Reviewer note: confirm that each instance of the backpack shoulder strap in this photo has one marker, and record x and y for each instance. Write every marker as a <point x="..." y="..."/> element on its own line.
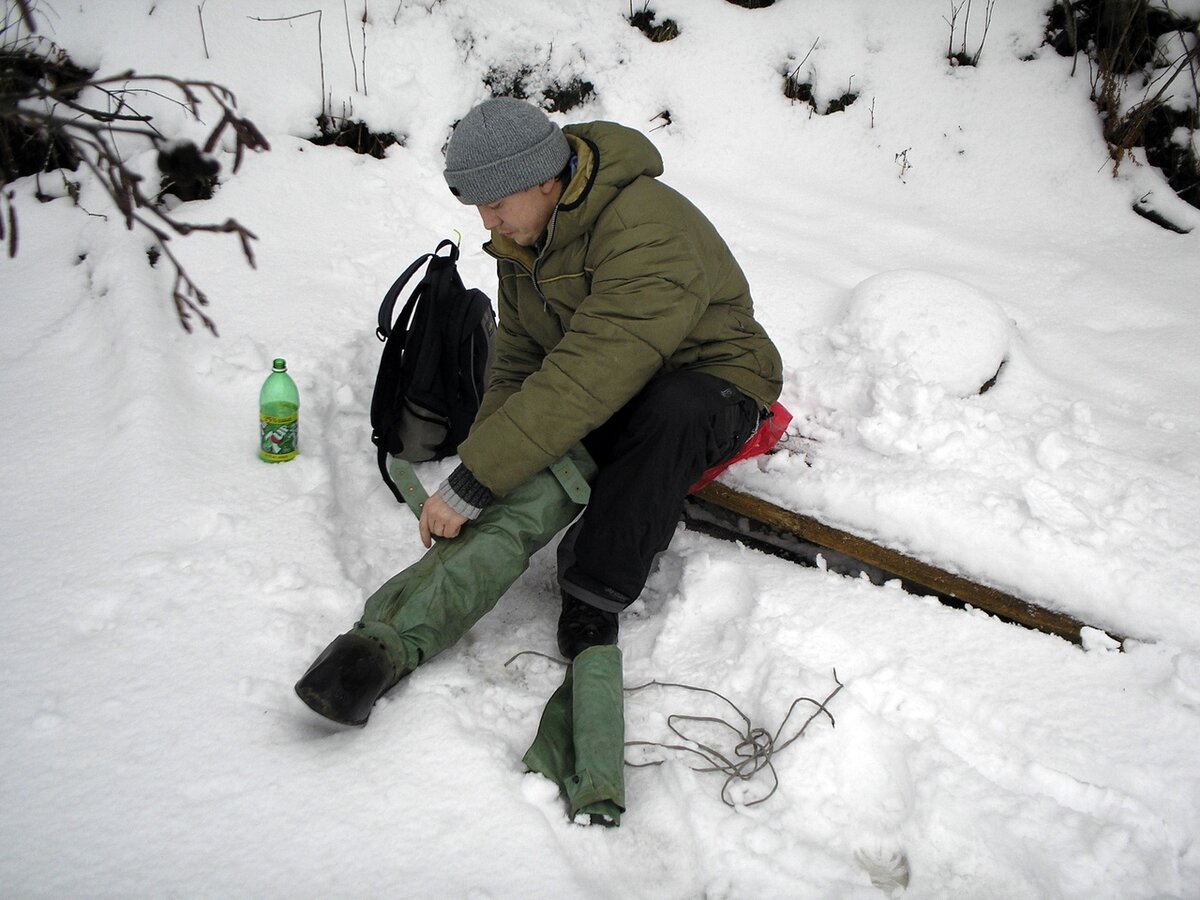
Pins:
<point x="388" y="307"/>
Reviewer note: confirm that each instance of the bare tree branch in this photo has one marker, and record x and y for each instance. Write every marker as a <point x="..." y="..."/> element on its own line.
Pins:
<point x="49" y="108"/>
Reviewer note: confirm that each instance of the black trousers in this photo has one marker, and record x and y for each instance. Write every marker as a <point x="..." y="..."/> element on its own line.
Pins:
<point x="648" y="454"/>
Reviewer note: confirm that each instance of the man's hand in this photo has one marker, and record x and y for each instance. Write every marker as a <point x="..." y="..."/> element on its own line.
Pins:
<point x="439" y="520"/>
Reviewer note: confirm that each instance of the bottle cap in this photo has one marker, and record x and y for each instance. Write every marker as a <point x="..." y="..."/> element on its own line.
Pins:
<point x="280" y="365"/>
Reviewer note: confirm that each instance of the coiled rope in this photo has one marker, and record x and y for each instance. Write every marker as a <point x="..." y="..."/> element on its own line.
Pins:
<point x="754" y="750"/>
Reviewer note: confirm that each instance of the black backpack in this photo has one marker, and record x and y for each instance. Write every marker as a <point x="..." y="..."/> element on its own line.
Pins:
<point x="435" y="363"/>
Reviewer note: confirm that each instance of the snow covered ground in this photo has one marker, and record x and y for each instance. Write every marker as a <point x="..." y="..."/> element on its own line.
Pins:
<point x="163" y="589"/>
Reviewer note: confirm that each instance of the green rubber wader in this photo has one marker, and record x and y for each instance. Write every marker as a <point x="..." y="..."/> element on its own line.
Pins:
<point x="429" y="606"/>
<point x="580" y="744"/>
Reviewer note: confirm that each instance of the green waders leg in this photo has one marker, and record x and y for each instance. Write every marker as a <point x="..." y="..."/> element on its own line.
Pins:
<point x="430" y="605"/>
<point x="580" y="744"/>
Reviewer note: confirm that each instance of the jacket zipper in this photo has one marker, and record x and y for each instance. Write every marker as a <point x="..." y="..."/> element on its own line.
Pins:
<point x="537" y="261"/>
<point x="491" y="250"/>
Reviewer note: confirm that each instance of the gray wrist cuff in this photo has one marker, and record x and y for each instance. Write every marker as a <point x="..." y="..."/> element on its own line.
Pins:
<point x="464" y="494"/>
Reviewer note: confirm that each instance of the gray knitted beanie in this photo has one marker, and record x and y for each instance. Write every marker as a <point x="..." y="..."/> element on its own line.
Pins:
<point x="501" y="147"/>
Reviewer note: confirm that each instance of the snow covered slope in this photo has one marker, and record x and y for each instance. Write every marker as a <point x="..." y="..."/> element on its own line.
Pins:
<point x="163" y="589"/>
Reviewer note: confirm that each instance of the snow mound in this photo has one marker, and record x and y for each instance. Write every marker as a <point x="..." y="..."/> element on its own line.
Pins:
<point x="932" y="328"/>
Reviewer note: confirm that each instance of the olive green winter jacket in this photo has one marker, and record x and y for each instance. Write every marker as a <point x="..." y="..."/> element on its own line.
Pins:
<point x="632" y="280"/>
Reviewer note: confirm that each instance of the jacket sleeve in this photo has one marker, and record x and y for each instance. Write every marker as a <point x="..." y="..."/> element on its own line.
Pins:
<point x="647" y="293"/>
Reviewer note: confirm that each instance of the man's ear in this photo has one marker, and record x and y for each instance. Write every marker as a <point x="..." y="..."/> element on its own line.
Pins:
<point x="549" y="186"/>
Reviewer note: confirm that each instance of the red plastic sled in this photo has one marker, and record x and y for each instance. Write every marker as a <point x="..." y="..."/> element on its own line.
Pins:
<point x="765" y="438"/>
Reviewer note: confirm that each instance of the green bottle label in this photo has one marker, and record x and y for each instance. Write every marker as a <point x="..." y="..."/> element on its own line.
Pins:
<point x="278" y="432"/>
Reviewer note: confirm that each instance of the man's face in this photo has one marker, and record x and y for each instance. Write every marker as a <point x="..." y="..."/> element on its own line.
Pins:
<point x="523" y="216"/>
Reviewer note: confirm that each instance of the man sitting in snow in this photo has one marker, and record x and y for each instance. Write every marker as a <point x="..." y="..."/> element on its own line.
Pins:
<point x="627" y="327"/>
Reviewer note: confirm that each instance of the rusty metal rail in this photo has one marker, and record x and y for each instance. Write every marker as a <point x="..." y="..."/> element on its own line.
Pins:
<point x="724" y="512"/>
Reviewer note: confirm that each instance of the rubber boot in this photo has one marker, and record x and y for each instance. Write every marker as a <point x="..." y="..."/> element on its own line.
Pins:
<point x="346" y="679"/>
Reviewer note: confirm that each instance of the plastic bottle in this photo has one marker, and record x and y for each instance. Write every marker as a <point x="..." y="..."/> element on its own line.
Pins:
<point x="278" y="416"/>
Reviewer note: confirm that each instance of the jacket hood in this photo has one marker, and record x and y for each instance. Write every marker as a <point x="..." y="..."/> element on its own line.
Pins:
<point x="609" y="158"/>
